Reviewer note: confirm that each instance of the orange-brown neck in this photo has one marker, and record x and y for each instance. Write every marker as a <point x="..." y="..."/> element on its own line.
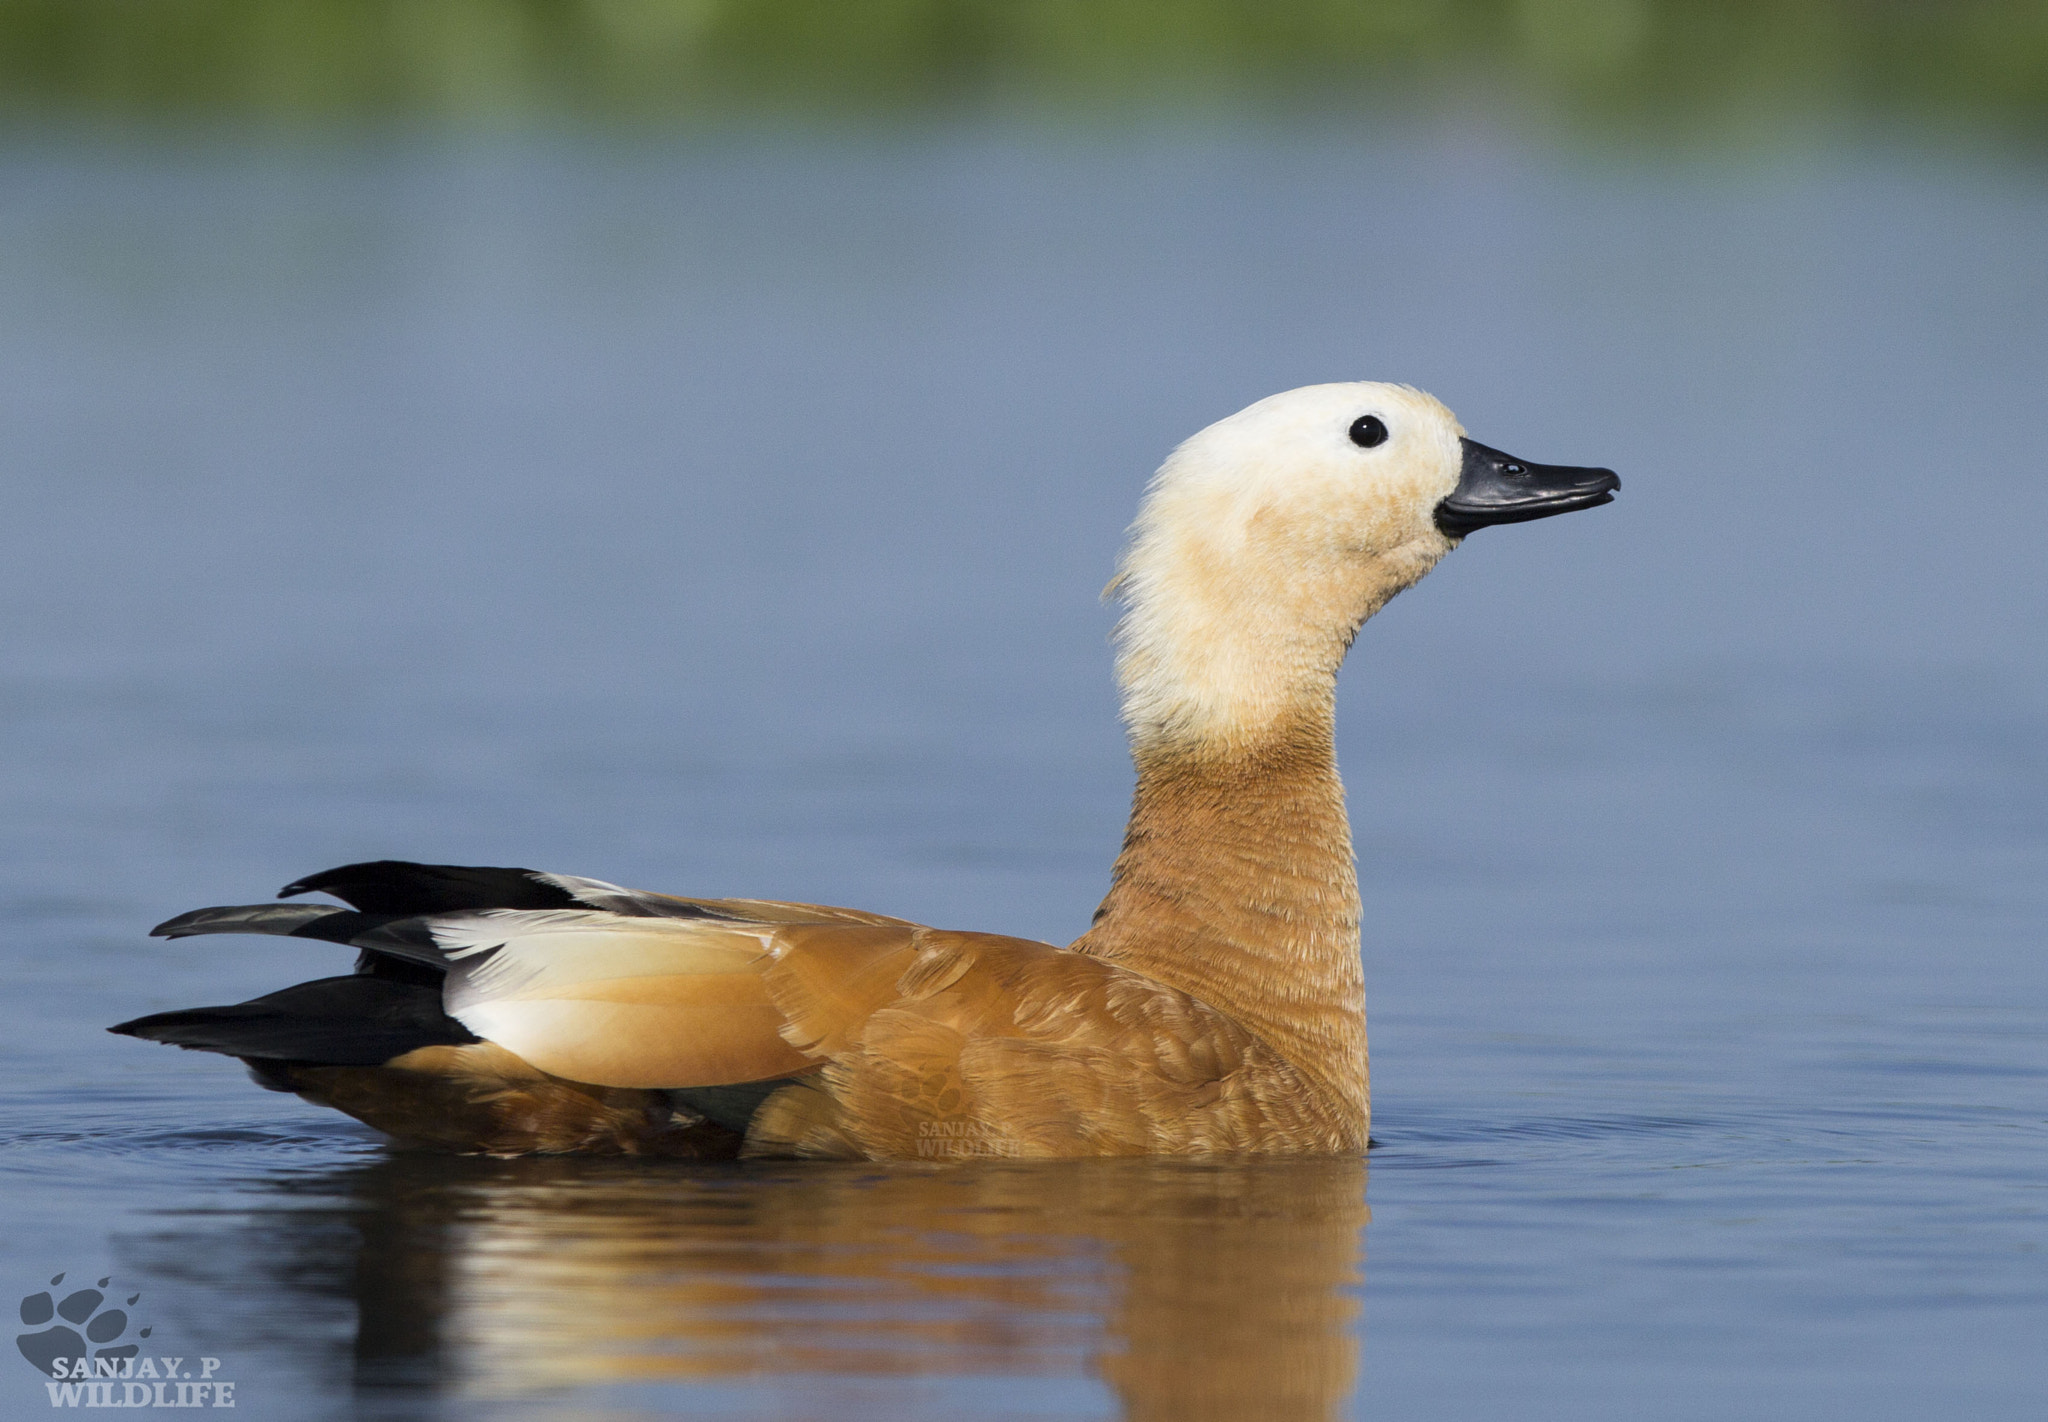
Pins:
<point x="1236" y="884"/>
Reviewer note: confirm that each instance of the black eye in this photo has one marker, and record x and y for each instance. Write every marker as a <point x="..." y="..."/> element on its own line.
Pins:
<point x="1368" y="430"/>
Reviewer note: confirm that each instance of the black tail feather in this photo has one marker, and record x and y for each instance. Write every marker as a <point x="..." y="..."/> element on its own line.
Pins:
<point x="352" y="1021"/>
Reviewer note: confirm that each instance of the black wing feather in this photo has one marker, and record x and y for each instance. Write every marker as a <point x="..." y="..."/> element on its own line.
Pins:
<point x="393" y="1002"/>
<point x="379" y="933"/>
<point x="407" y="890"/>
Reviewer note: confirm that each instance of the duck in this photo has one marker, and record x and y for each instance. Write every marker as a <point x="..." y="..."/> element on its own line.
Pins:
<point x="1214" y="1007"/>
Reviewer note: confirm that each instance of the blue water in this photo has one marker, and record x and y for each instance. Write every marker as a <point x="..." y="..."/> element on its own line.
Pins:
<point x="726" y="514"/>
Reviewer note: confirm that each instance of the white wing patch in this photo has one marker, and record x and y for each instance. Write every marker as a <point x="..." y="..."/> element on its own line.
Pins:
<point x="617" y="1000"/>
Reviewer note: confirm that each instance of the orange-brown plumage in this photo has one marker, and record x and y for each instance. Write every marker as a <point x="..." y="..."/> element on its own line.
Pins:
<point x="1003" y="1047"/>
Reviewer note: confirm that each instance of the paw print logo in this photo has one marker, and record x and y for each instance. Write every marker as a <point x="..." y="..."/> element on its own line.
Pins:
<point x="81" y="1307"/>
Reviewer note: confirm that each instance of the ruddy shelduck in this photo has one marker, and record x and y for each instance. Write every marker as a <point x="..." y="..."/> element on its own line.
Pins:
<point x="1216" y="1005"/>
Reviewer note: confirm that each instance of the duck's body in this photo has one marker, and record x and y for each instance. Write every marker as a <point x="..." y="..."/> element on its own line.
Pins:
<point x="1216" y="1005"/>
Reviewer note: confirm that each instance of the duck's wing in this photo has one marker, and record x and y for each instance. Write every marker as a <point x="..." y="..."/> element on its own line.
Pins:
<point x="584" y="980"/>
<point x="405" y="889"/>
<point x="664" y="1003"/>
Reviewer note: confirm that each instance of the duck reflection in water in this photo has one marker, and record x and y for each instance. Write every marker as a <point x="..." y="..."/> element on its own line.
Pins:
<point x="1194" y="1290"/>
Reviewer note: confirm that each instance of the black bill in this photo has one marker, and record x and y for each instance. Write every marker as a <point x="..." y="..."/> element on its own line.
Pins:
<point x="1498" y="488"/>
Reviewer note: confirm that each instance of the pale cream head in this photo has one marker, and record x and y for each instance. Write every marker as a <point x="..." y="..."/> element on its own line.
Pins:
<point x="1262" y="544"/>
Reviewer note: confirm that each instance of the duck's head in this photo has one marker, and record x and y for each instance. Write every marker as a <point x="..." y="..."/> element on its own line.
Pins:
<point x="1267" y="539"/>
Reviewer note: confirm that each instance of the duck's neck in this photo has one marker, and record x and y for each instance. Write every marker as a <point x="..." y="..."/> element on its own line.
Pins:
<point x="1236" y="882"/>
<point x="1236" y="885"/>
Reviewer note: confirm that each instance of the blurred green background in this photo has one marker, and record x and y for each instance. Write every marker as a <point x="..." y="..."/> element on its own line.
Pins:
<point x="1621" y="63"/>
